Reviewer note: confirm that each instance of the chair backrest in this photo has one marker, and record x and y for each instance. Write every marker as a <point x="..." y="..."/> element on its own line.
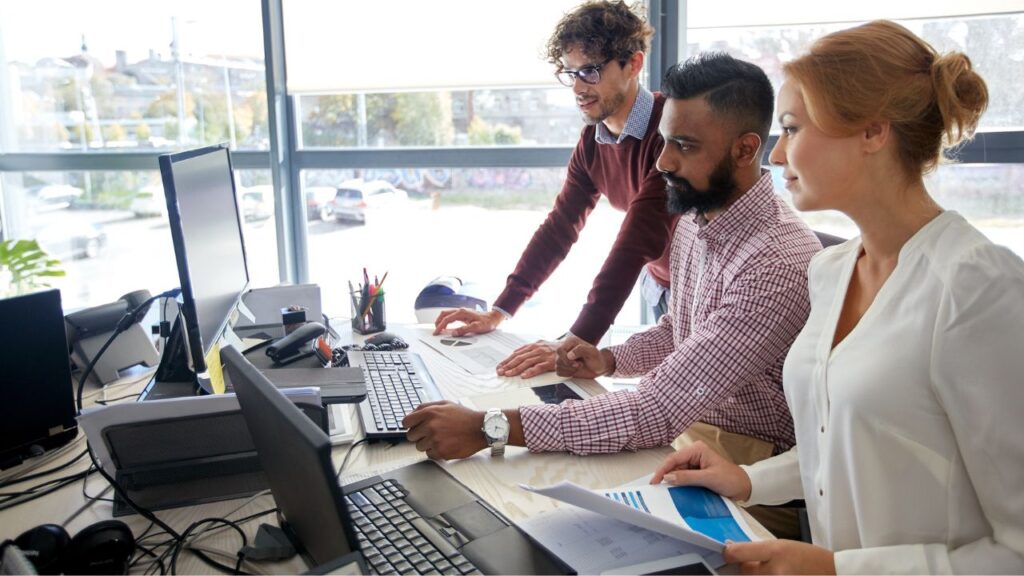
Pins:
<point x="828" y="239"/>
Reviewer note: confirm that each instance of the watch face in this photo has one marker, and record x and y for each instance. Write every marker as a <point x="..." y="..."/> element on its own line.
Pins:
<point x="496" y="427"/>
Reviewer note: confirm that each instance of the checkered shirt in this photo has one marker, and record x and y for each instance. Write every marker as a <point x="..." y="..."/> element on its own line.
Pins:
<point x="739" y="298"/>
<point x="636" y="123"/>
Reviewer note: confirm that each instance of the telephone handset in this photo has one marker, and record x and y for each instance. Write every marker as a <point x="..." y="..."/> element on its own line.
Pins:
<point x="292" y="347"/>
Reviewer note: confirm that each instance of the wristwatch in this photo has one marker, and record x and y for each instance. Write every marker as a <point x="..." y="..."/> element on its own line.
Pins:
<point x="495" y="430"/>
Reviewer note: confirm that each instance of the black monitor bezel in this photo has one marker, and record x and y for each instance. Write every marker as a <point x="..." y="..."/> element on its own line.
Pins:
<point x="197" y="348"/>
<point x="282" y="433"/>
<point x="47" y="315"/>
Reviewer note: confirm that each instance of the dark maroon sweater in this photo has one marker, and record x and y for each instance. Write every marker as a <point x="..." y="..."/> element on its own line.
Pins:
<point x="626" y="175"/>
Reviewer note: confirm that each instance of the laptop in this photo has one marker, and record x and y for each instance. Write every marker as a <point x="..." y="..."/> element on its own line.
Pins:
<point x="417" y="519"/>
<point x="38" y="408"/>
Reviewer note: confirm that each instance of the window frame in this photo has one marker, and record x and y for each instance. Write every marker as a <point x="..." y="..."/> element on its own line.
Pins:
<point x="286" y="159"/>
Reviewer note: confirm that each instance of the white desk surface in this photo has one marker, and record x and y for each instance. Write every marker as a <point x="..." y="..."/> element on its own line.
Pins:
<point x="494" y="479"/>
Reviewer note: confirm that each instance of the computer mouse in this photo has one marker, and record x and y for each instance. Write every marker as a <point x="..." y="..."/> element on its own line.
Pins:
<point x="380" y="338"/>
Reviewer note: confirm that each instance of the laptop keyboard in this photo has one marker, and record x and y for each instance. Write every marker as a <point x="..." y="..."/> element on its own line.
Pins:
<point x="395" y="539"/>
<point x="393" y="388"/>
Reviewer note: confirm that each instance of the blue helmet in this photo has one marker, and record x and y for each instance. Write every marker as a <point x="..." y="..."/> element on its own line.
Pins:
<point x="444" y="293"/>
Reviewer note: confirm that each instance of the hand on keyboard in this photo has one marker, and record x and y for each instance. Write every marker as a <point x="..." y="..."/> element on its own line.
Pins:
<point x="445" y="430"/>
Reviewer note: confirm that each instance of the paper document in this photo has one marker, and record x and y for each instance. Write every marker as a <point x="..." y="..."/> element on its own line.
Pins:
<point x="592" y="543"/>
<point x="95" y="420"/>
<point x="694" y="515"/>
<point x="478" y="354"/>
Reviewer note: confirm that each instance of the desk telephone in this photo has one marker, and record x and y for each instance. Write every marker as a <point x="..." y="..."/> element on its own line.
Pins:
<point x="293" y="346"/>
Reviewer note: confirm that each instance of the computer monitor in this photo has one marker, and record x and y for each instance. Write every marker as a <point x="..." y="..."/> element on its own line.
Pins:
<point x="207" y="231"/>
<point x="37" y="410"/>
<point x="296" y="457"/>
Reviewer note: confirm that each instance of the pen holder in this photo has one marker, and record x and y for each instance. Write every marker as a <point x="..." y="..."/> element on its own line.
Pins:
<point x="373" y="320"/>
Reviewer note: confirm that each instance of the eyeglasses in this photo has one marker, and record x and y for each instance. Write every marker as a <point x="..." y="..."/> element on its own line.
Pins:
<point x="587" y="74"/>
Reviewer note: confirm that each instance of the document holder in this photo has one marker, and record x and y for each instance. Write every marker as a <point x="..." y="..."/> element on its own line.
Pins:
<point x="188" y="460"/>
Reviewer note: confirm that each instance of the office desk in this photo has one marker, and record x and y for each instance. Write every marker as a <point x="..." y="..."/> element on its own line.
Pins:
<point x="494" y="479"/>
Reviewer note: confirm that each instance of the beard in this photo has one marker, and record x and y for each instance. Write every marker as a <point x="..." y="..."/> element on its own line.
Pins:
<point x="605" y="108"/>
<point x="683" y="197"/>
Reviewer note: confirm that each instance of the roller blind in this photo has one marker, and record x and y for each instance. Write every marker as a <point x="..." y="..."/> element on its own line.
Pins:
<point x="740" y="13"/>
<point x="350" y="46"/>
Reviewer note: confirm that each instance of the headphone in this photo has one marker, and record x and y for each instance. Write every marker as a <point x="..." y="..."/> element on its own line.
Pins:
<point x="101" y="548"/>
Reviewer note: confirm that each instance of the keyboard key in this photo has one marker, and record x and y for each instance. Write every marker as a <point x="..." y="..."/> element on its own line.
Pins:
<point x="423" y="567"/>
<point x="444" y="566"/>
<point x="435" y="556"/>
<point x="403" y="567"/>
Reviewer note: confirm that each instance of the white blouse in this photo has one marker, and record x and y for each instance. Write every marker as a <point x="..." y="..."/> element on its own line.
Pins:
<point x="910" y="433"/>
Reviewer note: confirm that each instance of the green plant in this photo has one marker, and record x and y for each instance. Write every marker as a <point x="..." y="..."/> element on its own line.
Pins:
<point x="25" y="267"/>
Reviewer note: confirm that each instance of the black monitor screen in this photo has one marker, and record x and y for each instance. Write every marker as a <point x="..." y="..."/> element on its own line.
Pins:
<point x="35" y="374"/>
<point x="207" y="233"/>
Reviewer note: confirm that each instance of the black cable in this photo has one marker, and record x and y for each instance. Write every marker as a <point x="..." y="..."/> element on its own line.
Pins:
<point x="344" y="460"/>
<point x="183" y="540"/>
<point x="85" y="481"/>
<point x="63" y="479"/>
<point x="130" y="318"/>
<point x="149" y="552"/>
<point x="145" y="513"/>
<point x="223" y="567"/>
<point x="40" y="474"/>
<point x="30" y="496"/>
<point x="108" y="400"/>
<point x="92" y="364"/>
<point x="255" y="516"/>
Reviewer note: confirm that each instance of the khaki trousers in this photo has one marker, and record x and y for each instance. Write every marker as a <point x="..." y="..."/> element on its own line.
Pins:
<point x="741" y="449"/>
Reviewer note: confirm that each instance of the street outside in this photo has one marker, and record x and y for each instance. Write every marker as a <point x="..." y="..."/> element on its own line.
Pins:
<point x="410" y="242"/>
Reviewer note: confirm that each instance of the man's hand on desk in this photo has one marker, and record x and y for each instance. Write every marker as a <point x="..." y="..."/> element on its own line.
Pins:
<point x="472" y="322"/>
<point x="447" y="431"/>
<point x="579" y="359"/>
<point x="530" y="360"/>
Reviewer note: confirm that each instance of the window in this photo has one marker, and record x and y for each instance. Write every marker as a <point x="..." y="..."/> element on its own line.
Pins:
<point x="111" y="75"/>
<point x="471" y="223"/>
<point x="109" y="229"/>
<point x="986" y="194"/>
<point x="482" y="117"/>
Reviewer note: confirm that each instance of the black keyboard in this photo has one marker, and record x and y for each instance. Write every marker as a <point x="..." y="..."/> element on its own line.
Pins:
<point x="395" y="539"/>
<point x="396" y="383"/>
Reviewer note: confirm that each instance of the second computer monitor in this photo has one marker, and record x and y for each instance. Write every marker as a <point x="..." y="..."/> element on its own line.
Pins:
<point x="202" y="209"/>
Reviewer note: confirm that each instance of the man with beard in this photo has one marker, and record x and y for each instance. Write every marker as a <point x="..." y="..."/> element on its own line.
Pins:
<point x="713" y="365"/>
<point x="598" y="51"/>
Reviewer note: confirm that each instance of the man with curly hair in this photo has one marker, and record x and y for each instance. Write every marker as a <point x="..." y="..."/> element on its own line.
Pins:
<point x="598" y="50"/>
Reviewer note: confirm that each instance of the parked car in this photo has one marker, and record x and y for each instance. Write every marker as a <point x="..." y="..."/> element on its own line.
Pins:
<point x="55" y="196"/>
<point x="355" y="198"/>
<point x="257" y="202"/>
<point x="318" y="202"/>
<point x="73" y="239"/>
<point x="149" y="201"/>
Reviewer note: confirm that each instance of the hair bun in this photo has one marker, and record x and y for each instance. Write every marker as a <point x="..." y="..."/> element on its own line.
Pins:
<point x="960" y="93"/>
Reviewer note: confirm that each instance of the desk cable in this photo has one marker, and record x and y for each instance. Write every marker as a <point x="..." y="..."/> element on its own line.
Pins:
<point x="130" y="318"/>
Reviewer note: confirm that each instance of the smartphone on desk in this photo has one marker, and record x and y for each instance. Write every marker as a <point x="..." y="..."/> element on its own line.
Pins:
<point x="526" y="396"/>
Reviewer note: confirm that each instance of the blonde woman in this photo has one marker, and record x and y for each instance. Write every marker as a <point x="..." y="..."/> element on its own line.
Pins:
<point x="907" y="383"/>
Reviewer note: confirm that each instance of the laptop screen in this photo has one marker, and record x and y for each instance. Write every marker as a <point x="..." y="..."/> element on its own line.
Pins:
<point x="35" y="374"/>
<point x="296" y="457"/>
